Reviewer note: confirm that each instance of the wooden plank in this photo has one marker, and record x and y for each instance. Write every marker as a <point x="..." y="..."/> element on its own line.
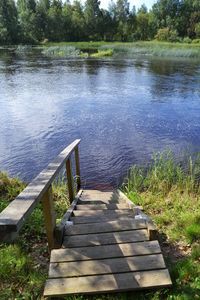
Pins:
<point x="121" y="225"/>
<point x="12" y="218"/>
<point x="97" y="195"/>
<point x="107" y="283"/>
<point x="106" y="266"/>
<point x="49" y="216"/>
<point x="99" y="201"/>
<point x="99" y="213"/>
<point x="152" y="230"/>
<point x="101" y="219"/>
<point x="59" y="229"/>
<point x="78" y="174"/>
<point x="70" y="180"/>
<point x="105" y="238"/>
<point x="106" y="251"/>
<point x="112" y="206"/>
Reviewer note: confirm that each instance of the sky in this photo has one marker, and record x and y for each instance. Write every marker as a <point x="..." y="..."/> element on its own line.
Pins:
<point x="137" y="3"/>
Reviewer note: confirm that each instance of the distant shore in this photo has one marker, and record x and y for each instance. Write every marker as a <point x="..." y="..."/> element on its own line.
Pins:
<point x="151" y="48"/>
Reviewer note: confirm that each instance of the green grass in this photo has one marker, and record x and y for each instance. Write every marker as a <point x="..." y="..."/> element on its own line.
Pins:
<point x="150" y="48"/>
<point x="24" y="265"/>
<point x="102" y="53"/>
<point x="170" y="194"/>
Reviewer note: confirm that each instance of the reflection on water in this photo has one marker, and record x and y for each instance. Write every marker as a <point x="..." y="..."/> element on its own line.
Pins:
<point x="123" y="110"/>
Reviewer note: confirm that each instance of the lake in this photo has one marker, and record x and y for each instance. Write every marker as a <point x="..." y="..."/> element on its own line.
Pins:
<point x="124" y="110"/>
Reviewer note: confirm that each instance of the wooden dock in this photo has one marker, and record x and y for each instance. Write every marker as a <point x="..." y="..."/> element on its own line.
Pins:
<point x="104" y="243"/>
<point x="105" y="249"/>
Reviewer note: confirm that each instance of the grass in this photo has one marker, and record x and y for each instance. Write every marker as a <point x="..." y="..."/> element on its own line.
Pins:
<point x="150" y="48"/>
<point x="24" y="265"/>
<point x="170" y="194"/>
<point x="102" y="53"/>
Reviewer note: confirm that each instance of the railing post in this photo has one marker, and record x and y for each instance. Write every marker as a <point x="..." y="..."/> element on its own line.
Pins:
<point x="49" y="216"/>
<point x="70" y="180"/>
<point x="77" y="169"/>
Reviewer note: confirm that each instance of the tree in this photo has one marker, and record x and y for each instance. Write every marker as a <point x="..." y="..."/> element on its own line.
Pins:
<point x="78" y="21"/>
<point x="56" y="22"/>
<point x="92" y="15"/>
<point x="143" y="24"/>
<point x="26" y="11"/>
<point x="122" y="16"/>
<point x="8" y="22"/>
<point x="41" y="20"/>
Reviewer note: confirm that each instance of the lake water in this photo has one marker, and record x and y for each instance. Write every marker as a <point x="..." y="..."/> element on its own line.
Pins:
<point x="123" y="110"/>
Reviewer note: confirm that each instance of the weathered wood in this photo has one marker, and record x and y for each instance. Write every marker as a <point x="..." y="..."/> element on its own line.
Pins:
<point x="102" y="206"/>
<point x="106" y="266"/>
<point x="99" y="213"/>
<point x="49" y="216"/>
<point x="119" y="225"/>
<point x="105" y="238"/>
<point x="70" y="180"/>
<point x="97" y="195"/>
<point x="100" y="219"/>
<point x="152" y="230"/>
<point x="12" y="218"/>
<point x="78" y="174"/>
<point x="105" y="251"/>
<point x="107" y="283"/>
<point x="59" y="229"/>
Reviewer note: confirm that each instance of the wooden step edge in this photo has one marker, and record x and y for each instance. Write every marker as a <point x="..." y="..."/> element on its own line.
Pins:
<point x="106" y="266"/>
<point x="59" y="229"/>
<point x="107" y="227"/>
<point x="105" y="251"/>
<point x="152" y="229"/>
<point x="131" y="281"/>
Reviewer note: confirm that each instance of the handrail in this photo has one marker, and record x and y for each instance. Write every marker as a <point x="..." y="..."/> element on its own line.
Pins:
<point x="15" y="214"/>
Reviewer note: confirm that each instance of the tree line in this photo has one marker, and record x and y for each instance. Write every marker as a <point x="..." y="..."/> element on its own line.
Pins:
<point x="33" y="21"/>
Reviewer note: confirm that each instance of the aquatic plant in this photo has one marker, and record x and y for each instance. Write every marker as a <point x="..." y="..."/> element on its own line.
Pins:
<point x="62" y="51"/>
<point x="169" y="191"/>
<point x="102" y="53"/>
<point x="22" y="49"/>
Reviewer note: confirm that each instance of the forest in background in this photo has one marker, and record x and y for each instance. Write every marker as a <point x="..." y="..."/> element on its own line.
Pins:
<point x="34" y="21"/>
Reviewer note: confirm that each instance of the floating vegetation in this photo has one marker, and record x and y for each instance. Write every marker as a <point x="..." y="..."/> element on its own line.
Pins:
<point x="102" y="53"/>
<point x="21" y="49"/>
<point x="63" y="51"/>
<point x="154" y="48"/>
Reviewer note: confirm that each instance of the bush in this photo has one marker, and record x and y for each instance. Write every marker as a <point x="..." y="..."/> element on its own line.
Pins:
<point x="162" y="34"/>
<point x="196" y="41"/>
<point x="197" y="30"/>
<point x="165" y="34"/>
<point x="187" y="40"/>
<point x="173" y="36"/>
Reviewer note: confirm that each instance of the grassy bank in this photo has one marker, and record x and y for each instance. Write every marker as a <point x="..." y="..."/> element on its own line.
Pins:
<point x="152" y="48"/>
<point x="24" y="265"/>
<point x="168" y="192"/>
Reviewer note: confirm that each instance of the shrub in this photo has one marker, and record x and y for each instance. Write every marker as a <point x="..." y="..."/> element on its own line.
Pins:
<point x="173" y="36"/>
<point x="187" y="40"/>
<point x="197" y="30"/>
<point x="196" y="41"/>
<point x="162" y="34"/>
<point x="165" y="34"/>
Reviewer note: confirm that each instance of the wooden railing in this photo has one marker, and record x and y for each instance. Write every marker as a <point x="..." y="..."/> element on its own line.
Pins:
<point x="16" y="213"/>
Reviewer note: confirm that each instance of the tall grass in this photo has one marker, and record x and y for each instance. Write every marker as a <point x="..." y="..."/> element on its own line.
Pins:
<point x="24" y="265"/>
<point x="150" y="48"/>
<point x="170" y="193"/>
<point x="165" y="174"/>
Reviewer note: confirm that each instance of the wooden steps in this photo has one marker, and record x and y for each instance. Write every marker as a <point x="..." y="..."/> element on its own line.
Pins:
<point x="105" y="249"/>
